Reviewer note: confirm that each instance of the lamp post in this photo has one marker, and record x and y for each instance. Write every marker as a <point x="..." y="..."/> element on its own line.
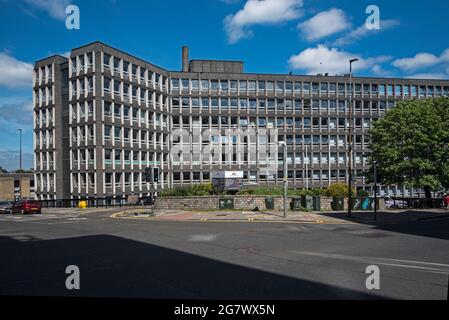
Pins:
<point x="20" y="161"/>
<point x="350" y="115"/>
<point x="285" y="178"/>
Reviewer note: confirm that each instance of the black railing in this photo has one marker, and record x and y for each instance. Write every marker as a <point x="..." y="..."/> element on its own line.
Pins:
<point x="96" y="202"/>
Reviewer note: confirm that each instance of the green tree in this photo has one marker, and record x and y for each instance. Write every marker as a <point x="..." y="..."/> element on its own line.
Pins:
<point x="410" y="145"/>
<point x="338" y="189"/>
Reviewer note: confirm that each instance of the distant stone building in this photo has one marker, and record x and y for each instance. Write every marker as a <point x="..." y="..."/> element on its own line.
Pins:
<point x="16" y="185"/>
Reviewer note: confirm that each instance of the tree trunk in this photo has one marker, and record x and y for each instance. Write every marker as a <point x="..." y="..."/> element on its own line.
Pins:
<point x="428" y="194"/>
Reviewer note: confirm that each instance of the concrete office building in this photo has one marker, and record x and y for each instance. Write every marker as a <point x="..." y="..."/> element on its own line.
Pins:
<point x="102" y="116"/>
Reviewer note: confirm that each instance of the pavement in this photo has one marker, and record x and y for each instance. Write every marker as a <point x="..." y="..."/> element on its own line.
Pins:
<point x="395" y="216"/>
<point x="194" y="259"/>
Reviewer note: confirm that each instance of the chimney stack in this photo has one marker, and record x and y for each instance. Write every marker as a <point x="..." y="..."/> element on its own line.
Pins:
<point x="185" y="59"/>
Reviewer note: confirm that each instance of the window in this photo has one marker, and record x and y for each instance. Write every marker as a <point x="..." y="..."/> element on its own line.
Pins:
<point x="224" y="85"/>
<point x="279" y="86"/>
<point x="261" y="85"/>
<point x="243" y="86"/>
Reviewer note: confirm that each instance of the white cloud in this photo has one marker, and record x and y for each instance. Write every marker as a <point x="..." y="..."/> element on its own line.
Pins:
<point x="55" y="8"/>
<point x="363" y="31"/>
<point x="333" y="61"/>
<point x="260" y="12"/>
<point x="324" y="24"/>
<point x="429" y="76"/>
<point x="419" y="61"/>
<point x="14" y="73"/>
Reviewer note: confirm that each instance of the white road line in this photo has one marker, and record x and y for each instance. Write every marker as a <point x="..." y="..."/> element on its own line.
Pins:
<point x="411" y="264"/>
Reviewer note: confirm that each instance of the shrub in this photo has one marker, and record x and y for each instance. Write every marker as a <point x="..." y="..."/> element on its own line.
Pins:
<point x="362" y="193"/>
<point x="338" y="189"/>
<point x="200" y="189"/>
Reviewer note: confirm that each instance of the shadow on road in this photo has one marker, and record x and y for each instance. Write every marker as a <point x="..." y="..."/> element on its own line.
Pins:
<point x="117" y="267"/>
<point x="420" y="223"/>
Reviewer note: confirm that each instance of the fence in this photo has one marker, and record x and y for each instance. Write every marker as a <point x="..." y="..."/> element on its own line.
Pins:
<point x="95" y="202"/>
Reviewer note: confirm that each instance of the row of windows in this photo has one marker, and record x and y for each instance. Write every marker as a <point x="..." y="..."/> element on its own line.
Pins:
<point x="132" y="92"/>
<point x="269" y="122"/>
<point x="44" y="159"/>
<point x="278" y="104"/>
<point x="44" y="117"/>
<point x="45" y="181"/>
<point x="44" y="96"/>
<point x="130" y="135"/>
<point x="82" y="62"/>
<point x="298" y="139"/>
<point x="44" y="74"/>
<point x="306" y="87"/>
<point x="132" y="71"/>
<point x="44" y="137"/>
<point x="81" y="86"/>
<point x="254" y="175"/>
<point x="125" y="112"/>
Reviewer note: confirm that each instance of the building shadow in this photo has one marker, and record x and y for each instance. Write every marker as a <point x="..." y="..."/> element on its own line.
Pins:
<point x="420" y="223"/>
<point x="117" y="267"/>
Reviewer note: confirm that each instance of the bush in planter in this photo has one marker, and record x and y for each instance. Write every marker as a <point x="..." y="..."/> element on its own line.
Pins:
<point x="338" y="190"/>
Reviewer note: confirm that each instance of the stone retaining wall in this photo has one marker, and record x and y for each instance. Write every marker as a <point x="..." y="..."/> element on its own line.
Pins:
<point x="240" y="203"/>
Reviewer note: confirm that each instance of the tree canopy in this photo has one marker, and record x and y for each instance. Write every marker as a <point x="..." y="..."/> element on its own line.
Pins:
<point x="410" y="145"/>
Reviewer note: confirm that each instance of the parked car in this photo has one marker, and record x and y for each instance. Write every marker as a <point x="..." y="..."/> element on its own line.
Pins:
<point x="5" y="206"/>
<point x="26" y="206"/>
<point x="394" y="204"/>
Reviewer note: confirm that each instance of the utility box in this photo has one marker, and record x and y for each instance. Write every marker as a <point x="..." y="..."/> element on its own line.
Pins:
<point x="296" y="204"/>
<point x="227" y="180"/>
<point x="316" y="203"/>
<point x="307" y="202"/>
<point x="269" y="203"/>
<point x="338" y="203"/>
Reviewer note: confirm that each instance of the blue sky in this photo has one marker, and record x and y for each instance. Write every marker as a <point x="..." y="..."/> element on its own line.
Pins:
<point x="270" y="36"/>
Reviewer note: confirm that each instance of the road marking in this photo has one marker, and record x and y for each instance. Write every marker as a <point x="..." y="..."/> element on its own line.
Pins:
<point x="203" y="237"/>
<point x="411" y="264"/>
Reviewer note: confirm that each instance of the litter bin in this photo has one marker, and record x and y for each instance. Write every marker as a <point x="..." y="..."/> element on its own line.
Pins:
<point x="316" y="203"/>
<point x="269" y="203"/>
<point x="295" y="204"/>
<point x="307" y="202"/>
<point x="338" y="203"/>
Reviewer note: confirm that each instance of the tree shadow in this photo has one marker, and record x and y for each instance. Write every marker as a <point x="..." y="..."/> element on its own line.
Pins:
<point x="117" y="267"/>
<point x="420" y="223"/>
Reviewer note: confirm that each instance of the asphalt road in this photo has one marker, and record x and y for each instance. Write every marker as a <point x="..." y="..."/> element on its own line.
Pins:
<point x="221" y="260"/>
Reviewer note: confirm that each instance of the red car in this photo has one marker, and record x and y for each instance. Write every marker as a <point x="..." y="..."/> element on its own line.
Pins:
<point x="26" y="206"/>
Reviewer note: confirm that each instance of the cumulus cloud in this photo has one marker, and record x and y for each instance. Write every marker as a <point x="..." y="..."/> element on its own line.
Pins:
<point x="260" y="12"/>
<point x="324" y="24"/>
<point x="55" y="8"/>
<point x="419" y="61"/>
<point x="323" y="59"/>
<point x="15" y="73"/>
<point x="363" y="31"/>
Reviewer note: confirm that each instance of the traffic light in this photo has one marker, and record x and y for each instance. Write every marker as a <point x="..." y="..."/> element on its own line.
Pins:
<point x="148" y="175"/>
<point x="155" y="174"/>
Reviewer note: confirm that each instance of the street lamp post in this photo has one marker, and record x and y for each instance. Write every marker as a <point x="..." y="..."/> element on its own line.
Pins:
<point x="285" y="178"/>
<point x="350" y="137"/>
<point x="20" y="161"/>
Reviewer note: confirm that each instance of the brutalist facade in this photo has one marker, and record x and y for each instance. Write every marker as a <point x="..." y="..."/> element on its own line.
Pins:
<point x="103" y="116"/>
